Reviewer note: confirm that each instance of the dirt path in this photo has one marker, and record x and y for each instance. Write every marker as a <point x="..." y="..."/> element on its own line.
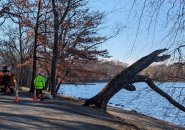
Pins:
<point x="63" y="115"/>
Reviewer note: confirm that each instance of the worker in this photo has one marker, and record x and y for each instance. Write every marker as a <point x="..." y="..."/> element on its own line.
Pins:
<point x="39" y="83"/>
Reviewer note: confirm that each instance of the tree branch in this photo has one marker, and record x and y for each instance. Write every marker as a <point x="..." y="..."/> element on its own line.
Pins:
<point x="151" y="84"/>
<point x="144" y="62"/>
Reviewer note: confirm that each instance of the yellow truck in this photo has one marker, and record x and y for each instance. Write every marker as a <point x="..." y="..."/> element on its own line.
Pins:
<point x="4" y="70"/>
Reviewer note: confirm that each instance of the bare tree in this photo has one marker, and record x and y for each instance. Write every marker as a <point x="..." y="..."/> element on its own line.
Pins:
<point x="19" y="43"/>
<point x="35" y="47"/>
<point x="77" y="37"/>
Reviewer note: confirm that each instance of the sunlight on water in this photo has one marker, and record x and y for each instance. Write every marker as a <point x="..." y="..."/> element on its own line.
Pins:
<point x="144" y="100"/>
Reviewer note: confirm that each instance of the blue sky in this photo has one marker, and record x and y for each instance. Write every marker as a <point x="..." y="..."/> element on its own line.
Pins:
<point x="124" y="47"/>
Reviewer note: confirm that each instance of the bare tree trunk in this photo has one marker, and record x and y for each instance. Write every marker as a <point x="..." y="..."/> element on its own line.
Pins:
<point x="21" y="53"/>
<point x="32" y="88"/>
<point x="55" y="50"/>
<point x="57" y="23"/>
<point x="61" y="81"/>
<point x="122" y="80"/>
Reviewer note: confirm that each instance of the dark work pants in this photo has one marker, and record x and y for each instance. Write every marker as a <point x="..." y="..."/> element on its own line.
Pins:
<point x="7" y="88"/>
<point x="39" y="91"/>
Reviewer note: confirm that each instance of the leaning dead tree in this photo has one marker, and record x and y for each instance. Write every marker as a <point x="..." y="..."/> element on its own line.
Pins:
<point x="127" y="77"/>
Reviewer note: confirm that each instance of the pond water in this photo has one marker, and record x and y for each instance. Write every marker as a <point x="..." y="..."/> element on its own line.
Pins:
<point x="143" y="100"/>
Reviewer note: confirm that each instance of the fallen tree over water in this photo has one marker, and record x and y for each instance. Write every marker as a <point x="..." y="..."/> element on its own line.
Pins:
<point x="127" y="77"/>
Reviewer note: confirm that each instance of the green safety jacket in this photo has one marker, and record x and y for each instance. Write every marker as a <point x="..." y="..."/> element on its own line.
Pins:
<point x="39" y="82"/>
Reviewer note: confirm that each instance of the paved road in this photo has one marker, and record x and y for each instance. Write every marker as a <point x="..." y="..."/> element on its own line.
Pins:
<point x="51" y="114"/>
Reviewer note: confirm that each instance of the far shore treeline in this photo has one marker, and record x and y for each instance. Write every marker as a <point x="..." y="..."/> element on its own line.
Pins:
<point x="105" y="70"/>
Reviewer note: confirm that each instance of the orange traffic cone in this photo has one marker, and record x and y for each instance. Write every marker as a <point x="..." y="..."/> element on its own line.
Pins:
<point x="34" y="96"/>
<point x="17" y="96"/>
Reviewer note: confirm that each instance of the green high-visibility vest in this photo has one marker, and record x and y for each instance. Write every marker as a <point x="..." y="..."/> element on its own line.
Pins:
<point x="39" y="82"/>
